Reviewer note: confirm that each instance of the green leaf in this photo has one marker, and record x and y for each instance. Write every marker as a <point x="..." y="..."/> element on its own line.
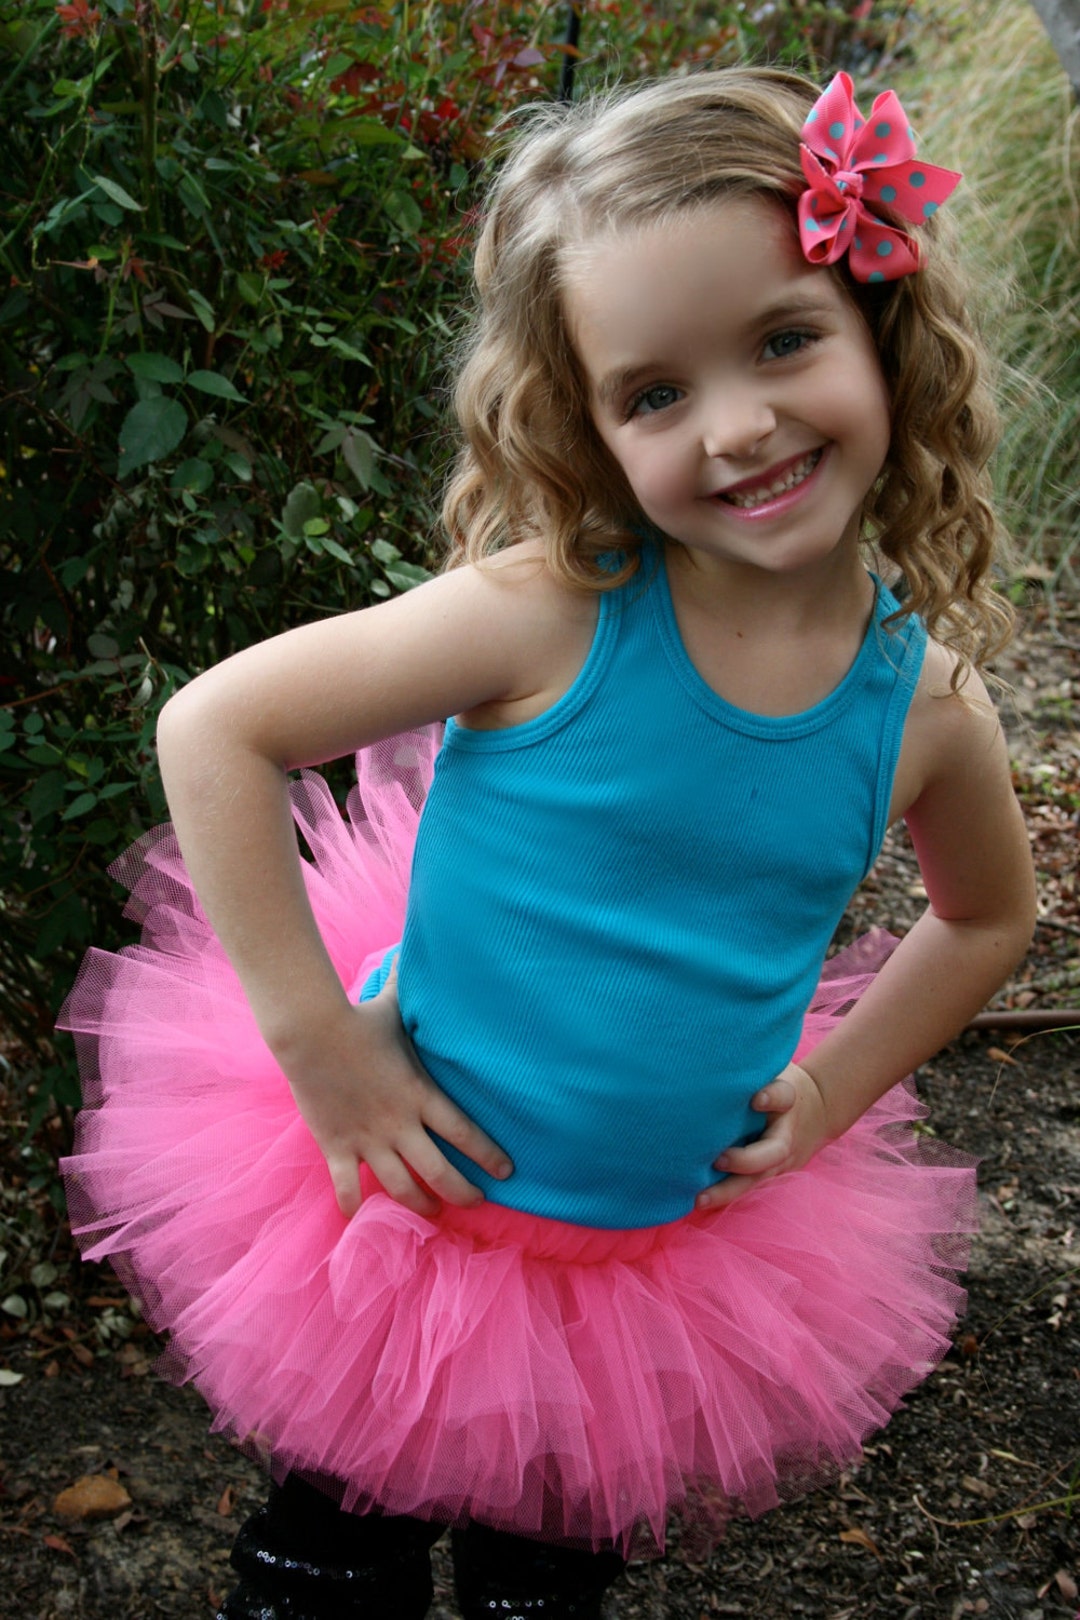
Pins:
<point x="193" y="196"/>
<point x="405" y="575"/>
<point x="302" y="505"/>
<point x="403" y="208"/>
<point x="359" y="455"/>
<point x="250" y="285"/>
<point x="369" y="132"/>
<point x="340" y="346"/>
<point x="155" y="368"/>
<point x="79" y="806"/>
<point x="99" y="645"/>
<point x="238" y="465"/>
<point x="384" y="552"/>
<point x="328" y="543"/>
<point x="315" y="528"/>
<point x="195" y="475"/>
<point x="212" y="382"/>
<point x="123" y="198"/>
<point x="59" y="213"/>
<point x="151" y="429"/>
<point x="46" y="795"/>
<point x="331" y="438"/>
<point x="202" y="309"/>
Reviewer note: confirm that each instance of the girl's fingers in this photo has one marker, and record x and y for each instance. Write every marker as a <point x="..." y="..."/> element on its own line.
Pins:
<point x="767" y="1153"/>
<point x="345" y="1177"/>
<point x="725" y="1192"/>
<point x="435" y="1171"/>
<point x="399" y="1183"/>
<point x="446" y="1119"/>
<point x="775" y="1098"/>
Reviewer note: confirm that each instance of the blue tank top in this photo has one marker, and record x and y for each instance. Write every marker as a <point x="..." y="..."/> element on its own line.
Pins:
<point x="619" y="909"/>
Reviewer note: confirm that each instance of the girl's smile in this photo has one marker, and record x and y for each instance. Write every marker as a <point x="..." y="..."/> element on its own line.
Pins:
<point x="736" y="386"/>
<point x="763" y="494"/>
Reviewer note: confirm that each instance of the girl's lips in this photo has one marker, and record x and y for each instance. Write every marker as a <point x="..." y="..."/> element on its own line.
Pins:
<point x="773" y="505"/>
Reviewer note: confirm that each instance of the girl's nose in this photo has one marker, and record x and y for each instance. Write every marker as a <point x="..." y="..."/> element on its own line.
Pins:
<point x="736" y="423"/>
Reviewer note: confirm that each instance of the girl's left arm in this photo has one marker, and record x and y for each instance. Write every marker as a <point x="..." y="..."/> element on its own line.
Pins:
<point x="975" y="861"/>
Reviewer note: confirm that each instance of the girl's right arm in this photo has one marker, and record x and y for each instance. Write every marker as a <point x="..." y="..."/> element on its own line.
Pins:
<point x="494" y="645"/>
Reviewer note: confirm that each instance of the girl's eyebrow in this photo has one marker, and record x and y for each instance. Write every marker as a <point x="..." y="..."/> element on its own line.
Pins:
<point x="615" y="384"/>
<point x="808" y="306"/>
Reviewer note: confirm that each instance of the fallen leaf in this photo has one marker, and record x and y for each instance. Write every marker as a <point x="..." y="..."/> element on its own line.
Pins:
<point x="58" y="1544"/>
<point x="226" y="1502"/>
<point x="978" y="1487"/>
<point x="1000" y="1056"/>
<point x="859" y="1538"/>
<point x="94" y="1496"/>
<point x="1066" y="1585"/>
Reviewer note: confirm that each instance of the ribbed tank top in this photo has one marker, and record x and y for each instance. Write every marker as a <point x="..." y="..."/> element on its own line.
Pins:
<point x="619" y="909"/>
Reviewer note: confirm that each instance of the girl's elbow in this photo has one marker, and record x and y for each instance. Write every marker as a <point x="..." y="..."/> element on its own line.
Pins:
<point x="185" y="722"/>
<point x="1018" y="927"/>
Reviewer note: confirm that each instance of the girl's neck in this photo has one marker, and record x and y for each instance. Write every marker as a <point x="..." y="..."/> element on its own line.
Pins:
<point x="836" y="590"/>
<point x="774" y="644"/>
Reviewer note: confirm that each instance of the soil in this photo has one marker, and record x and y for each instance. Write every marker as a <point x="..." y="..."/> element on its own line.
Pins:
<point x="967" y="1504"/>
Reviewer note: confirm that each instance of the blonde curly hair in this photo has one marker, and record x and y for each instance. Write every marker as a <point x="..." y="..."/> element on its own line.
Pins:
<point x="532" y="465"/>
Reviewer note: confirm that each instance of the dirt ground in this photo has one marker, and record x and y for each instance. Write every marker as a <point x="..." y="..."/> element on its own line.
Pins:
<point x="968" y="1504"/>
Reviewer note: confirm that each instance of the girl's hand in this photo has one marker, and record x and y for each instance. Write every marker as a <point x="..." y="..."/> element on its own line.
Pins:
<point x="797" y="1128"/>
<point x="365" y="1095"/>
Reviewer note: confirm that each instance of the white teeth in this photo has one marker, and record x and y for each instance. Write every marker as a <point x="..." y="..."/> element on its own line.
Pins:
<point x="767" y="492"/>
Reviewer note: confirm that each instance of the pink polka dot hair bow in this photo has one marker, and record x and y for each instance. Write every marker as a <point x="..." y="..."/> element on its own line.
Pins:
<point x="849" y="162"/>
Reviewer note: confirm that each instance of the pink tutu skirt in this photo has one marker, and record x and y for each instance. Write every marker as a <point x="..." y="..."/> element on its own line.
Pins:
<point x="559" y="1381"/>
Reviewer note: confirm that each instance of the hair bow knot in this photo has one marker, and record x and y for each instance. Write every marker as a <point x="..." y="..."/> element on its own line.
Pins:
<point x="848" y="162"/>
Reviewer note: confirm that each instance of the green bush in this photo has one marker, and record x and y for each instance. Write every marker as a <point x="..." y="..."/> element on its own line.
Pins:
<point x="235" y="239"/>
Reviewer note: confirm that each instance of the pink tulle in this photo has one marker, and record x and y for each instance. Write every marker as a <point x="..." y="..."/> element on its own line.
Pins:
<point x="560" y="1381"/>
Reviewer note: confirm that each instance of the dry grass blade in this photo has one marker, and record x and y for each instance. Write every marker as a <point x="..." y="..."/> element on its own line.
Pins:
<point x="992" y="99"/>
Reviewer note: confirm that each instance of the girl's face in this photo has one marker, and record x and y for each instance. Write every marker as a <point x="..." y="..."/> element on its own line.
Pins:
<point x="736" y="386"/>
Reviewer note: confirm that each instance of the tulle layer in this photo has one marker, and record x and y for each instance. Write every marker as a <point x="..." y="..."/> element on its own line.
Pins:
<point x="556" y="1380"/>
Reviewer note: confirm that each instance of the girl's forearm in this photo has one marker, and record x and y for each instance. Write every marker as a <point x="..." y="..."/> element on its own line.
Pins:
<point x="230" y="808"/>
<point x="940" y="975"/>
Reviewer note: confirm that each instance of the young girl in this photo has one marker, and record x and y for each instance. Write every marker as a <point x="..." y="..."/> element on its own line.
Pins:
<point x="590" y="1204"/>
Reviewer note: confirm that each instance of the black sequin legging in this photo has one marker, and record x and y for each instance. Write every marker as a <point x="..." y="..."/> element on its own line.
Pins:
<point x="301" y="1558"/>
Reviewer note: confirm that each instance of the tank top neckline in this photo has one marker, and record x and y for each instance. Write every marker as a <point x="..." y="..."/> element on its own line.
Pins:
<point x="800" y="721"/>
<point x="650" y="582"/>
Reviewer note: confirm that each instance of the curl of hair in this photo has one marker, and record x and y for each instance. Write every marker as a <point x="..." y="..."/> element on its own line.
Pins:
<point x="532" y="466"/>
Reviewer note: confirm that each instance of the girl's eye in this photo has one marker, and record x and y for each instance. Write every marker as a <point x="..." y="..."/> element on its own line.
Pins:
<point x="782" y="345"/>
<point x="654" y="399"/>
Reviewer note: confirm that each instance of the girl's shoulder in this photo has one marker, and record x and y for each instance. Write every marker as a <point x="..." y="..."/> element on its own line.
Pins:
<point x="952" y="733"/>
<point x="546" y="625"/>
